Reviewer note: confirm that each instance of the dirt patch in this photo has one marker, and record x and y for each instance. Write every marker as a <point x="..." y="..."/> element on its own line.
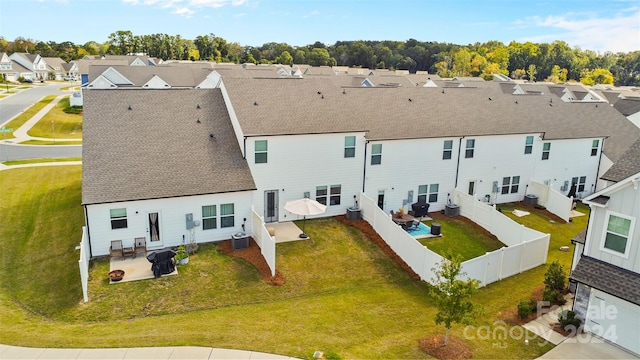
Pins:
<point x="253" y="256"/>
<point x="456" y="349"/>
<point x="373" y="236"/>
<point x="542" y="212"/>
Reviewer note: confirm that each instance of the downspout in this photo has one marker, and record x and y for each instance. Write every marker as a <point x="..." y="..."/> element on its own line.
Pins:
<point x="244" y="150"/>
<point x="455" y="186"/>
<point x="595" y="187"/>
<point x="86" y="221"/>
<point x="364" y="166"/>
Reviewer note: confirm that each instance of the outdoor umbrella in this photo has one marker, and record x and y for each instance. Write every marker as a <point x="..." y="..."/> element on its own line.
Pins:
<point x="304" y="207"/>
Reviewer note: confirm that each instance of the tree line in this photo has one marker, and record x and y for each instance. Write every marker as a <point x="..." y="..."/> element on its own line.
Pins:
<point x="557" y="61"/>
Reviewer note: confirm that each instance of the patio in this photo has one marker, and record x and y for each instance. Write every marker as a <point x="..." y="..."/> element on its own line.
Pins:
<point x="138" y="268"/>
<point x="286" y="231"/>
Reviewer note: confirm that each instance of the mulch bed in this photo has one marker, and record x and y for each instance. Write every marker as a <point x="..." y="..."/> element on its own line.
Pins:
<point x="456" y="349"/>
<point x="253" y="256"/>
<point x="376" y="239"/>
<point x="510" y="316"/>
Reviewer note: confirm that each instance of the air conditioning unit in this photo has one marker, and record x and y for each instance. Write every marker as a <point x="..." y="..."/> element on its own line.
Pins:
<point x="452" y="210"/>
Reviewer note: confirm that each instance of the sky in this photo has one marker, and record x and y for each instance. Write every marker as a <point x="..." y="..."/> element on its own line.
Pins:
<point x="597" y="25"/>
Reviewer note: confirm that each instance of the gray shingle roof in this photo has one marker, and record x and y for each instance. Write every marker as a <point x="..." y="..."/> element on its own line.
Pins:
<point x="581" y="237"/>
<point x="387" y="113"/>
<point x="609" y="278"/>
<point x="628" y="106"/>
<point x="176" y="75"/>
<point x="157" y="149"/>
<point x="627" y="165"/>
<point x="601" y="199"/>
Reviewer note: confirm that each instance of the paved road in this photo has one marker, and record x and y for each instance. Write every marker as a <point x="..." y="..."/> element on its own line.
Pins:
<point x="17" y="103"/>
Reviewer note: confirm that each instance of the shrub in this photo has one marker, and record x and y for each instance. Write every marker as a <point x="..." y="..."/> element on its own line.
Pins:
<point x="554" y="277"/>
<point x="525" y="308"/>
<point x="552" y="296"/>
<point x="73" y="110"/>
<point x="568" y="320"/>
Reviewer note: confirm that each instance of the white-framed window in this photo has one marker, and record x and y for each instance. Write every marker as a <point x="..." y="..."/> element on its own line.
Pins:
<point x="349" y="146"/>
<point x="209" y="217"/>
<point x="579" y="182"/>
<point x="428" y="193"/>
<point x="546" y="149"/>
<point x="510" y="184"/>
<point x="227" y="215"/>
<point x="376" y="154"/>
<point x="528" y="145"/>
<point x="118" y="218"/>
<point x="447" y="150"/>
<point x="335" y="192"/>
<point x="261" y="147"/>
<point x="594" y="147"/>
<point x="471" y="145"/>
<point x="616" y="237"/>
<point x="321" y="194"/>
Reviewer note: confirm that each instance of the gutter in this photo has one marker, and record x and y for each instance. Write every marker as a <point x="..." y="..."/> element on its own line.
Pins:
<point x="364" y="166"/>
<point x="455" y="186"/>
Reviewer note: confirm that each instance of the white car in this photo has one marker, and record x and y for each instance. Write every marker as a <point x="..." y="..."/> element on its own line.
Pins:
<point x="69" y="78"/>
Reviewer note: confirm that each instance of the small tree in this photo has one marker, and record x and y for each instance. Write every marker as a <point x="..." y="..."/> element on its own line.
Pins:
<point x="554" y="277"/>
<point x="450" y="295"/>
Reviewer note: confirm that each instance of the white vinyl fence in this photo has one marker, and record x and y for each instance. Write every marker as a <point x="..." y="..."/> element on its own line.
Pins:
<point x="525" y="248"/>
<point x="556" y="202"/>
<point x="83" y="263"/>
<point x="266" y="242"/>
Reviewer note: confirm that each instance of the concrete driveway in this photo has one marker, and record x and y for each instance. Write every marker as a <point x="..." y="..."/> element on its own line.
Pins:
<point x="586" y="346"/>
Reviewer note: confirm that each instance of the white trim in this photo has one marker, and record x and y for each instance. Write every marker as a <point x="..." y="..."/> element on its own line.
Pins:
<point x="629" y="236"/>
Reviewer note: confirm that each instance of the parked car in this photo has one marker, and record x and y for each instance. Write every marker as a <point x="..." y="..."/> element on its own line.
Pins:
<point x="28" y="81"/>
<point x="70" y="78"/>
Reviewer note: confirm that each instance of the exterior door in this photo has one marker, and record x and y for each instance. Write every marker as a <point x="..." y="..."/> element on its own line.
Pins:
<point x="271" y="206"/>
<point x="381" y="199"/>
<point x="153" y="230"/>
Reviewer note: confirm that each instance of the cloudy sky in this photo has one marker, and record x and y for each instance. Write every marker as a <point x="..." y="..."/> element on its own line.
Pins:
<point x="598" y="25"/>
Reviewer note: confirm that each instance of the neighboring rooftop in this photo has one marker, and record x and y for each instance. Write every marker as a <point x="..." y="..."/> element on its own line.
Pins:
<point x="627" y="165"/>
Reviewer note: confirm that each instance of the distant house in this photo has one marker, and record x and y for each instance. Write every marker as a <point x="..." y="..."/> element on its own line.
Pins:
<point x="34" y="64"/>
<point x="606" y="267"/>
<point x="6" y="68"/>
<point x="55" y="67"/>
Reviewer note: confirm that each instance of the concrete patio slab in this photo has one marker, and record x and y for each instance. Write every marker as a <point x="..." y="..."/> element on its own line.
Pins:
<point x="15" y="352"/>
<point x="286" y="231"/>
<point x="138" y="268"/>
<point x="59" y="354"/>
<point x="587" y="346"/>
<point x="191" y="353"/>
<point x="90" y="354"/>
<point x="149" y="353"/>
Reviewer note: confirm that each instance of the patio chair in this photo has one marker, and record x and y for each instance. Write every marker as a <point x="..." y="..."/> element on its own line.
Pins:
<point x="116" y="249"/>
<point x="128" y="250"/>
<point x="140" y="246"/>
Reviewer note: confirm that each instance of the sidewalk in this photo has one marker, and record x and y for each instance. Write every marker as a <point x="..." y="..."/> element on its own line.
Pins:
<point x="20" y="133"/>
<point x="179" y="352"/>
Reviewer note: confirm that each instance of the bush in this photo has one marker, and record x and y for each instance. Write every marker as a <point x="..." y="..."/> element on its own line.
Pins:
<point x="553" y="297"/>
<point x="525" y="308"/>
<point x="73" y="110"/>
<point x="568" y="320"/>
<point x="554" y="277"/>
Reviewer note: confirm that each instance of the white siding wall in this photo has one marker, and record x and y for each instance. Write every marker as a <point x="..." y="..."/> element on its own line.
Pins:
<point x="407" y="164"/>
<point x="298" y="163"/>
<point x="614" y="319"/>
<point x="567" y="159"/>
<point x="625" y="201"/>
<point x="171" y="219"/>
<point x="494" y="158"/>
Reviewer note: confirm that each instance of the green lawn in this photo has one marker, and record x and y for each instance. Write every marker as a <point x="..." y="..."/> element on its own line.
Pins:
<point x="19" y="120"/>
<point x="58" y="124"/>
<point x="41" y="160"/>
<point x="460" y="238"/>
<point x="342" y="294"/>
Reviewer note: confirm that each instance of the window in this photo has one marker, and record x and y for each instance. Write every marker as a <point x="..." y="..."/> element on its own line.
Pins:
<point x="349" y="146"/>
<point x="334" y="199"/>
<point x="594" y="147"/>
<point x="261" y="151"/>
<point x="428" y="193"/>
<point x="448" y="149"/>
<point x="227" y="218"/>
<point x="209" y="220"/>
<point x="616" y="235"/>
<point x="528" y="145"/>
<point x="376" y="154"/>
<point x="471" y="144"/>
<point x="579" y="182"/>
<point x="546" y="148"/>
<point x="510" y="185"/>
<point x="118" y="218"/>
<point x="321" y="194"/>
<point x="433" y="193"/>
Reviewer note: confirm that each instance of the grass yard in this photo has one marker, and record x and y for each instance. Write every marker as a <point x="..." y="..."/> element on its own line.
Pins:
<point x="41" y="160"/>
<point x="19" y="120"/>
<point x="461" y="238"/>
<point x="342" y="294"/>
<point x="51" y="142"/>
<point x="65" y="126"/>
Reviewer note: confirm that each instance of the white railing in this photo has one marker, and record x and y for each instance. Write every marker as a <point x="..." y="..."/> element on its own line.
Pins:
<point x="266" y="242"/>
<point x="83" y="263"/>
<point x="526" y="248"/>
<point x="556" y="202"/>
